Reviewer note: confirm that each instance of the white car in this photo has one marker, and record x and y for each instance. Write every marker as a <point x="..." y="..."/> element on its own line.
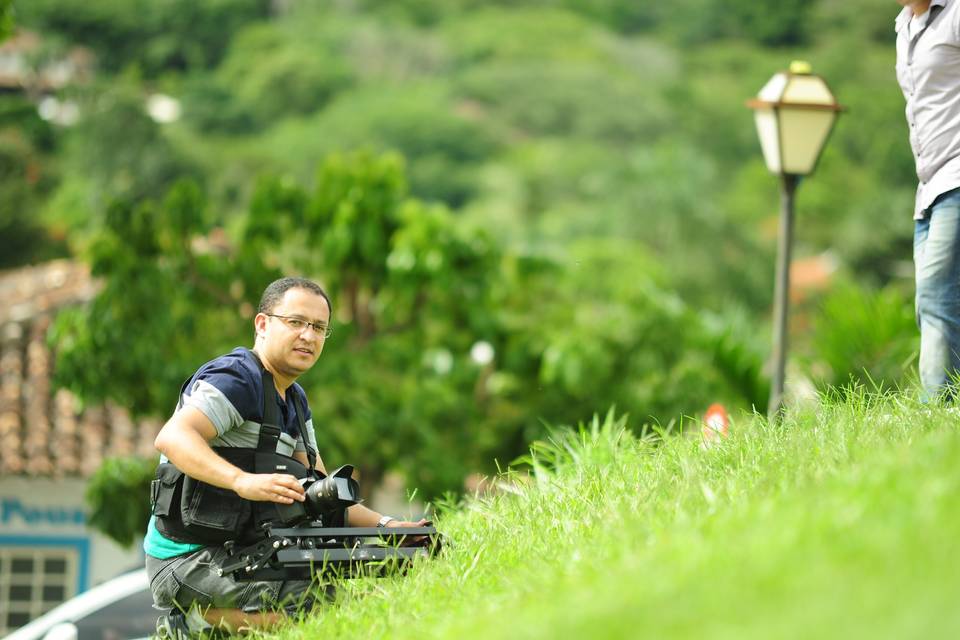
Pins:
<point x="118" y="609"/>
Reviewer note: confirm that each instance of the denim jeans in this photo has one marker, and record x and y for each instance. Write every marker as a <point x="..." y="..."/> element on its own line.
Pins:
<point x="936" y="257"/>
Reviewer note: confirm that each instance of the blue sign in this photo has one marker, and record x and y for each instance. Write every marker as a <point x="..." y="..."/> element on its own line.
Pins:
<point x="13" y="509"/>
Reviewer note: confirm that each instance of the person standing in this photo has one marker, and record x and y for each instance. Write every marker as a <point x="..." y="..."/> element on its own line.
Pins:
<point x="928" y="71"/>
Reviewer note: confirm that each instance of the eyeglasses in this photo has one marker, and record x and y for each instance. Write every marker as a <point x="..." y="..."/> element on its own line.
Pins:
<point x="299" y="324"/>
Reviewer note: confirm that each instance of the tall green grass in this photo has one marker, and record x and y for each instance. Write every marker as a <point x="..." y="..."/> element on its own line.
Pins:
<point x="843" y="521"/>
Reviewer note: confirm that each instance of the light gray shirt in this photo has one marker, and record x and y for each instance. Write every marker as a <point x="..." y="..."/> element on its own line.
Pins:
<point x="928" y="70"/>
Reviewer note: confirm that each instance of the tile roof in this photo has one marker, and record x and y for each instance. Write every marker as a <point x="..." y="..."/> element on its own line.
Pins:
<point x="46" y="431"/>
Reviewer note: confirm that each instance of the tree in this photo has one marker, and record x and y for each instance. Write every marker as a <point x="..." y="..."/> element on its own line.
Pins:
<point x="27" y="175"/>
<point x="446" y="352"/>
<point x="21" y="236"/>
<point x="404" y="279"/>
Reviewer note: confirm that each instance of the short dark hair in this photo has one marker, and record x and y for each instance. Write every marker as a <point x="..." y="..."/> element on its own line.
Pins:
<point x="274" y="292"/>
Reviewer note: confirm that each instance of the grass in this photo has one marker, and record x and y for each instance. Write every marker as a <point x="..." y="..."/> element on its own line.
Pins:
<point x="841" y="522"/>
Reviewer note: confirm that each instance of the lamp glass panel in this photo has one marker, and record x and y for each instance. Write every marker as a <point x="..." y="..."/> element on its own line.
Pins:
<point x="766" y="120"/>
<point x="773" y="90"/>
<point x="807" y="90"/>
<point x="803" y="133"/>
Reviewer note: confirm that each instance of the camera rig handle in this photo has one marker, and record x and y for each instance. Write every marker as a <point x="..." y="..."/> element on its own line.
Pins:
<point x="302" y="552"/>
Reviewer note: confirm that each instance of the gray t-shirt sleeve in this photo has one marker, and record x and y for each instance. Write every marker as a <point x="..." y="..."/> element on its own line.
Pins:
<point x="214" y="404"/>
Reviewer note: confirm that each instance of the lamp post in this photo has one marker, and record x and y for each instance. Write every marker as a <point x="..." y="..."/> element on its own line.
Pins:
<point x="794" y="112"/>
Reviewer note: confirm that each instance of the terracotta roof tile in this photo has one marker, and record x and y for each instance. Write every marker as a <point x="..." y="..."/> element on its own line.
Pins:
<point x="45" y="431"/>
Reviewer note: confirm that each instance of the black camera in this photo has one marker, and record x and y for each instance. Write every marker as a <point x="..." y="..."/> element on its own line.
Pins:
<point x="327" y="498"/>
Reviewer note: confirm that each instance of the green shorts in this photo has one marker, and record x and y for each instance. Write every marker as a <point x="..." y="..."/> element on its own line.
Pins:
<point x="187" y="581"/>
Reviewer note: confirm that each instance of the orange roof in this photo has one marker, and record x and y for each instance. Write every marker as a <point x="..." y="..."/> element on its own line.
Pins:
<point x="45" y="431"/>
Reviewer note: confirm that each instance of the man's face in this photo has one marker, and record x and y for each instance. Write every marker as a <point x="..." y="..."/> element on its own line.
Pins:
<point x="290" y="349"/>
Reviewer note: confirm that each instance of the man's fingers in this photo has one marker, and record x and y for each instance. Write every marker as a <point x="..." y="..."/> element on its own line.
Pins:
<point x="288" y="481"/>
<point x="282" y="495"/>
<point x="273" y="487"/>
<point x="285" y="489"/>
<point x="288" y="489"/>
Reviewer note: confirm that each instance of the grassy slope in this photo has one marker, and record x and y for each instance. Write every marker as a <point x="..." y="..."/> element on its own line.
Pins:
<point x="843" y="522"/>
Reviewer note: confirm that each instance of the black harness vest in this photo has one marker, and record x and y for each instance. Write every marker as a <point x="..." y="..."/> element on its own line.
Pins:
<point x="191" y="511"/>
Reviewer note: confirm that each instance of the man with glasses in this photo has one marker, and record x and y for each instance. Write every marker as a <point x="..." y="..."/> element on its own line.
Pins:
<point x="223" y="405"/>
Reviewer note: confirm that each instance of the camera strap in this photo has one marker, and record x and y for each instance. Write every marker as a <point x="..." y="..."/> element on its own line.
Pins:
<point x="311" y="454"/>
<point x="270" y="427"/>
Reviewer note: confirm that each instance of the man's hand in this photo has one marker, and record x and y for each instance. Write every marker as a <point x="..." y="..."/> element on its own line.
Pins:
<point x="269" y="487"/>
<point x="410" y="541"/>
<point x="422" y="522"/>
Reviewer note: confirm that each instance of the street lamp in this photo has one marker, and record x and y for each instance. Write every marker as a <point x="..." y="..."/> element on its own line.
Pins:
<point x="795" y="112"/>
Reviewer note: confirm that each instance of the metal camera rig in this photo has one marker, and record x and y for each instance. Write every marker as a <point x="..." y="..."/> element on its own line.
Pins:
<point x="303" y="540"/>
<point x="302" y="552"/>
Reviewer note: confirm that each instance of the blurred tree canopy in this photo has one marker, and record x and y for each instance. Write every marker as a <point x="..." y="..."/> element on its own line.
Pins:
<point x="446" y="350"/>
<point x="155" y="37"/>
<point x="575" y="187"/>
<point x="6" y="18"/>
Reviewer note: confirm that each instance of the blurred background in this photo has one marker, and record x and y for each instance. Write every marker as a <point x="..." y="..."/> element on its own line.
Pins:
<point x="526" y="212"/>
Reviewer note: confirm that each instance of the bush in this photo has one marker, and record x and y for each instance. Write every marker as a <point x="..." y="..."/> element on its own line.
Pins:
<point x="866" y="337"/>
<point x="119" y="498"/>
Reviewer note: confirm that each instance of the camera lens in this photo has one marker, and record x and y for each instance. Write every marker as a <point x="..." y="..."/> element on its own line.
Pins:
<point x="336" y="491"/>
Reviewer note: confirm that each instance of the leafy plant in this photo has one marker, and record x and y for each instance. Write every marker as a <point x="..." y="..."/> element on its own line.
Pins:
<point x="118" y="495"/>
<point x="864" y="336"/>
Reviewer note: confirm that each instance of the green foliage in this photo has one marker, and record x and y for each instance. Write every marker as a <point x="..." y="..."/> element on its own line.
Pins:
<point x="404" y="276"/>
<point x="525" y="34"/>
<point x="118" y="497"/>
<point x="26" y="177"/>
<point x="860" y="19"/>
<point x="409" y="284"/>
<point x="610" y="231"/>
<point x="580" y="99"/>
<point x="268" y="73"/>
<point x="416" y="293"/>
<point x="603" y="331"/>
<point x="864" y="337"/>
<point x="443" y="148"/>
<point x="154" y="36"/>
<point x="20" y="234"/>
<point x="116" y="152"/>
<point x="157" y="277"/>
<point x="695" y="22"/>
<point x="21" y="121"/>
<point x="6" y="18"/>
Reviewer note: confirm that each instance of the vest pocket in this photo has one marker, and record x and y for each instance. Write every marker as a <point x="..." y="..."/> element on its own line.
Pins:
<point x="212" y="507"/>
<point x="163" y="489"/>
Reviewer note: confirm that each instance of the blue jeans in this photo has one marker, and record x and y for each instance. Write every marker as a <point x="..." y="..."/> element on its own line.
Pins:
<point x="936" y="256"/>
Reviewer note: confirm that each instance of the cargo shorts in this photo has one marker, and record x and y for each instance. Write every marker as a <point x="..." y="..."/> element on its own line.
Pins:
<point x="188" y="581"/>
